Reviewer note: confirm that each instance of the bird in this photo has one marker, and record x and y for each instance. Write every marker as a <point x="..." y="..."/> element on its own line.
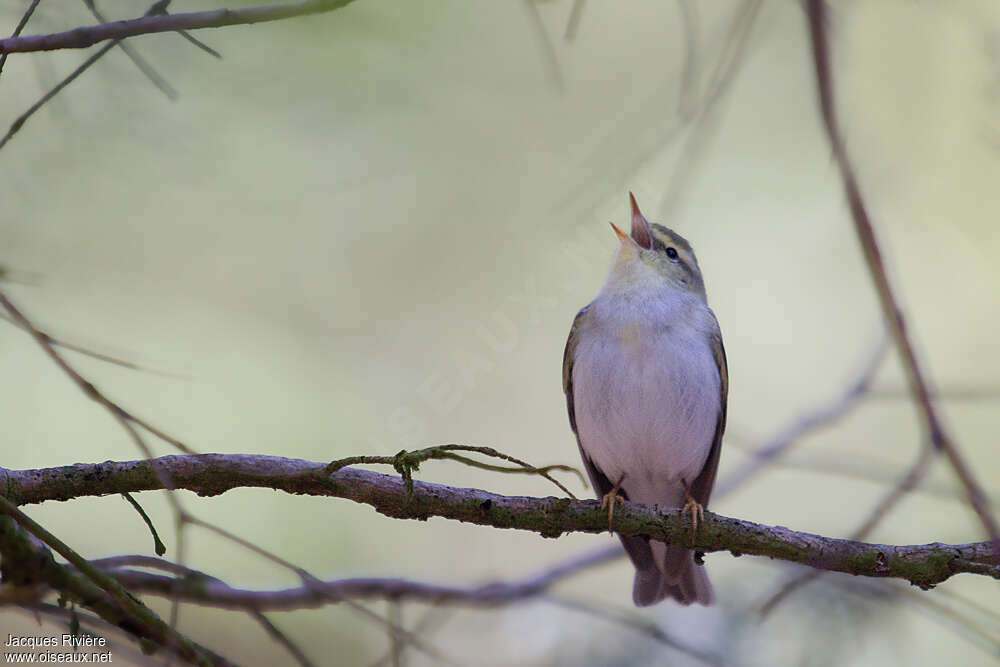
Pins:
<point x="646" y="383"/>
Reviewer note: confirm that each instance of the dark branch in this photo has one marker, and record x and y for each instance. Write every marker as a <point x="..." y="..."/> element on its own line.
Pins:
<point x="197" y="587"/>
<point x="213" y="474"/>
<point x="816" y="15"/>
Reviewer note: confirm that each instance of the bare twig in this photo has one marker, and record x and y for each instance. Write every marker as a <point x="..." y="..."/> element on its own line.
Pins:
<point x="119" y="413"/>
<point x="817" y="418"/>
<point x="396" y="647"/>
<point x="309" y="582"/>
<point x="705" y="113"/>
<point x="909" y="481"/>
<point x="690" y="72"/>
<point x="20" y="26"/>
<point x="100" y="356"/>
<point x="16" y="126"/>
<point x="632" y="621"/>
<point x="869" y="469"/>
<point x="158" y="545"/>
<point x="573" y="23"/>
<point x="141" y="63"/>
<point x="277" y="635"/>
<point x="816" y="14"/>
<point x="952" y="393"/>
<point x="432" y="619"/>
<point x="197" y="587"/>
<point x="964" y="623"/>
<point x="548" y="49"/>
<point x="97" y="625"/>
<point x="125" y="419"/>
<point x="81" y="38"/>
<point x="200" y="44"/>
<point x="126" y="611"/>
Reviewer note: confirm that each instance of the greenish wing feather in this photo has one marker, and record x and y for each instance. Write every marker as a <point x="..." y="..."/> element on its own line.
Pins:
<point x="568" y="357"/>
<point x="701" y="488"/>
<point x="598" y="480"/>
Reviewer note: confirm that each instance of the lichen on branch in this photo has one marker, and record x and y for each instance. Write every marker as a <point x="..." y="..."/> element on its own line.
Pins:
<point x="213" y="474"/>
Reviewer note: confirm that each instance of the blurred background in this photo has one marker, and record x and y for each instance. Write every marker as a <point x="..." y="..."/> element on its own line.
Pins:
<point x="370" y="230"/>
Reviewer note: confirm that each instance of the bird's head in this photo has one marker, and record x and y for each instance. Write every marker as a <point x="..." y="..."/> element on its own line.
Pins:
<point x="652" y="255"/>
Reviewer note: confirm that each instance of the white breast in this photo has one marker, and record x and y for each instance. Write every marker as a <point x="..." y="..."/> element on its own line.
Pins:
<point x="647" y="394"/>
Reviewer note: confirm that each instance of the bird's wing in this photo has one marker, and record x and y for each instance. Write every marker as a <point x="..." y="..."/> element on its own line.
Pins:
<point x="598" y="480"/>
<point x="569" y="355"/>
<point x="701" y="488"/>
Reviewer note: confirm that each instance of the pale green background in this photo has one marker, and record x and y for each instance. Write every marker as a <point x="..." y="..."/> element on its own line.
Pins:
<point x="370" y="230"/>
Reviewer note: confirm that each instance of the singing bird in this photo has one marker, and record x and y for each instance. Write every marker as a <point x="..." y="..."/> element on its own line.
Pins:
<point x="646" y="385"/>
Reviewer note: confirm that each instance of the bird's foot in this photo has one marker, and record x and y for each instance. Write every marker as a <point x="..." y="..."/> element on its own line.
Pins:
<point x="696" y="509"/>
<point x="609" y="500"/>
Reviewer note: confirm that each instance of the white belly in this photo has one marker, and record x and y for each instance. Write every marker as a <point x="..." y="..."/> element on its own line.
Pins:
<point x="646" y="400"/>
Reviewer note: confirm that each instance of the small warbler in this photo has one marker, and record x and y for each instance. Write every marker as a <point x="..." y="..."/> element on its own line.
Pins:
<point x="646" y="384"/>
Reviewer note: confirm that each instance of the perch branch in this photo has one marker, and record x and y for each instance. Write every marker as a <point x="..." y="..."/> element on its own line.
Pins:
<point x="213" y="474"/>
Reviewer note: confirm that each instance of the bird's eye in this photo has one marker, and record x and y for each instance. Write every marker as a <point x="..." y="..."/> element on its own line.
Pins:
<point x="672" y="252"/>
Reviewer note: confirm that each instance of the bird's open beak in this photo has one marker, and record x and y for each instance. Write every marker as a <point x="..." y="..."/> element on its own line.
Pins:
<point x="622" y="236"/>
<point x="641" y="232"/>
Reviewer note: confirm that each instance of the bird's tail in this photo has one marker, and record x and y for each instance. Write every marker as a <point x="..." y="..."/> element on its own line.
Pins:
<point x="666" y="571"/>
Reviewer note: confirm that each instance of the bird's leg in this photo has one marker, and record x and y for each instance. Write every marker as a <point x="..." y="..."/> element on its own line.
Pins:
<point x="609" y="500"/>
<point x="696" y="509"/>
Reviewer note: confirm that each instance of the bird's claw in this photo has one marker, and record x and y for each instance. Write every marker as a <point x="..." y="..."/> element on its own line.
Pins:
<point x="696" y="509"/>
<point x="609" y="499"/>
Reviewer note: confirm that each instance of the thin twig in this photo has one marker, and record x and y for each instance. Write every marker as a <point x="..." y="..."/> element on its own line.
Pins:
<point x="20" y="26"/>
<point x="83" y="37"/>
<point x="140" y="617"/>
<point x="632" y="621"/>
<point x="141" y="63"/>
<point x="123" y="416"/>
<point x="275" y="633"/>
<point x="909" y="481"/>
<point x="125" y="419"/>
<point x="396" y="647"/>
<point x="200" y="44"/>
<point x="573" y="23"/>
<point x="819" y="417"/>
<point x="97" y="625"/>
<point x="953" y="393"/>
<point x="432" y="619"/>
<point x="20" y="121"/>
<point x="314" y="584"/>
<point x="548" y="49"/>
<point x="198" y="587"/>
<point x="158" y="545"/>
<point x="816" y="14"/>
<point x="100" y="356"/>
<point x="869" y="469"/>
<point x="690" y="71"/>
<point x="707" y="112"/>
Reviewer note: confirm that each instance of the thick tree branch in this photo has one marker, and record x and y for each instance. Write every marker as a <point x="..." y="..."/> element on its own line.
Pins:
<point x="213" y="474"/>
<point x="81" y="38"/>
